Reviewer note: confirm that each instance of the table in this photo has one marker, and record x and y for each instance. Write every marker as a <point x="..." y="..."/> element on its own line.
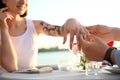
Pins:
<point x="60" y="75"/>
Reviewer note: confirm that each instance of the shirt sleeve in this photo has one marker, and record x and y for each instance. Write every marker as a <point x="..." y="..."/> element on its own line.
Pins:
<point x="117" y="57"/>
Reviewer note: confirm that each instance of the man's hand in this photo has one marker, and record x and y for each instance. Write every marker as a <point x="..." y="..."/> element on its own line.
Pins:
<point x="102" y="31"/>
<point x="94" y="48"/>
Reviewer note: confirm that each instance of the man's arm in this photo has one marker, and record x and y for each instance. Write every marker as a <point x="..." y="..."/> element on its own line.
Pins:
<point x="105" y="32"/>
<point x="116" y="57"/>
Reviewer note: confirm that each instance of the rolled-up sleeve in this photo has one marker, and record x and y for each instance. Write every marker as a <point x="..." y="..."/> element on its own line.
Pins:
<point x="117" y="57"/>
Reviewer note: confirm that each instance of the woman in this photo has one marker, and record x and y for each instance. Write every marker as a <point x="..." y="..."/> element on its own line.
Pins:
<point x="18" y="41"/>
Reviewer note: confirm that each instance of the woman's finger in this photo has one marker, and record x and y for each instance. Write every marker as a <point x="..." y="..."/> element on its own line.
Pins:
<point x="71" y="39"/>
<point x="64" y="37"/>
<point x="3" y="9"/>
<point x="81" y="39"/>
<point x="78" y="40"/>
<point x="8" y="15"/>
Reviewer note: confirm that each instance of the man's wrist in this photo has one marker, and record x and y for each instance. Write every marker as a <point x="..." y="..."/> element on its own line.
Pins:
<point x="109" y="55"/>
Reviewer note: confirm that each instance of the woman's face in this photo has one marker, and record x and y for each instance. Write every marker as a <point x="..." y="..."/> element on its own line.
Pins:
<point x="16" y="6"/>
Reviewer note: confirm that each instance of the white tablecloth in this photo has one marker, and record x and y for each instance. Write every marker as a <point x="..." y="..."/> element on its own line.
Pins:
<point x="60" y="75"/>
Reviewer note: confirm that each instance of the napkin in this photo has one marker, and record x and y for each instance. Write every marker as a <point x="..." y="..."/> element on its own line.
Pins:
<point x="35" y="70"/>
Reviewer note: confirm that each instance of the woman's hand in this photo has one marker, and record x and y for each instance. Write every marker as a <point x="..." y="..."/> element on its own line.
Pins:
<point x="73" y="27"/>
<point x="94" y="48"/>
<point x="4" y="16"/>
<point x="102" y="31"/>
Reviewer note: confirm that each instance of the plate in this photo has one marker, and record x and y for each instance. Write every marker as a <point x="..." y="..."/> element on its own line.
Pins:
<point x="35" y="71"/>
<point x="113" y="69"/>
<point x="28" y="71"/>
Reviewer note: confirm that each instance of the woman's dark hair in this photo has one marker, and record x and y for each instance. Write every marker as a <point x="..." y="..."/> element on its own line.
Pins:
<point x="25" y="14"/>
<point x="2" y="5"/>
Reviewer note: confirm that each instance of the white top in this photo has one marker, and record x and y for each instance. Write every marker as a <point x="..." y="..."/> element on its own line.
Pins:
<point x="26" y="46"/>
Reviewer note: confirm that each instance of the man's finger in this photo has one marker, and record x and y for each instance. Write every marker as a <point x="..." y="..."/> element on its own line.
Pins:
<point x="83" y="42"/>
<point x="95" y="38"/>
<point x="91" y="27"/>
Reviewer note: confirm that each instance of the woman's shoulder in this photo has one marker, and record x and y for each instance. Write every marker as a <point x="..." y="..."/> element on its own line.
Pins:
<point x="35" y="22"/>
<point x="37" y="25"/>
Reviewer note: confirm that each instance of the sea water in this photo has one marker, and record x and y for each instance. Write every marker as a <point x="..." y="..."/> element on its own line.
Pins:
<point x="54" y="57"/>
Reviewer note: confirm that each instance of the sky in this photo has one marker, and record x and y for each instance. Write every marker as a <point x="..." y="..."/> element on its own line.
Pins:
<point x="87" y="12"/>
